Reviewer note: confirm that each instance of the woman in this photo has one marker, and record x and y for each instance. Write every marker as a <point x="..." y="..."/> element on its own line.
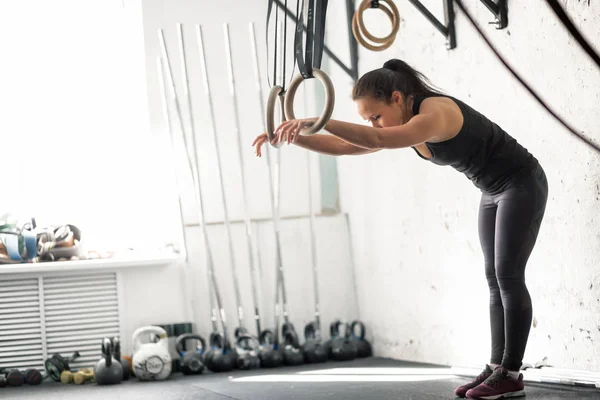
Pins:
<point x="405" y="111"/>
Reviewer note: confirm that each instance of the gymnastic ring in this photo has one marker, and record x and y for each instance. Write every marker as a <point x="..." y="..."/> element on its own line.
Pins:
<point x="275" y="93"/>
<point x="363" y="42"/>
<point x="358" y="27"/>
<point x="391" y="12"/>
<point x="329" y="101"/>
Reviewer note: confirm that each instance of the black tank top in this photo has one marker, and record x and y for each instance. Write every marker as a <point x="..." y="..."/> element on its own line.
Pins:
<point x="483" y="151"/>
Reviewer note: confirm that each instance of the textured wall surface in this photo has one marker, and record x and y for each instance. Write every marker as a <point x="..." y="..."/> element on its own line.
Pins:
<point x="421" y="285"/>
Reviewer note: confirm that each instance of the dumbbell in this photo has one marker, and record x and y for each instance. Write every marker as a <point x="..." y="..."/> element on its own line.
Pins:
<point x="14" y="377"/>
<point x="79" y="377"/>
<point x="33" y="377"/>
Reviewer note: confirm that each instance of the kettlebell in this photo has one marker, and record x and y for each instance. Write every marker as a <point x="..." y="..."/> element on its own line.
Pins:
<point x="116" y="343"/>
<point x="220" y="357"/>
<point x="191" y="360"/>
<point x="341" y="348"/>
<point x="151" y="361"/>
<point x="292" y="353"/>
<point x="108" y="371"/>
<point x="269" y="353"/>
<point x="363" y="347"/>
<point x="246" y="348"/>
<point x="314" y="351"/>
<point x="240" y="330"/>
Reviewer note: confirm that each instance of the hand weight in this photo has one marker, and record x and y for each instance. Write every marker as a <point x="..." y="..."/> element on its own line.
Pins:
<point x="191" y="360"/>
<point x="240" y="331"/>
<point x="268" y="353"/>
<point x="66" y="377"/>
<point x="33" y="377"/>
<point x="108" y="371"/>
<point x="151" y="361"/>
<point x="342" y="348"/>
<point x="15" y="378"/>
<point x="116" y="343"/>
<point x="314" y="351"/>
<point x="220" y="357"/>
<point x="82" y="376"/>
<point x="363" y="347"/>
<point x="292" y="354"/>
<point x="247" y="348"/>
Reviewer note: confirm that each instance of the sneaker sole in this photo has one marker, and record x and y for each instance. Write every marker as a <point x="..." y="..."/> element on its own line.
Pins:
<point x="519" y="393"/>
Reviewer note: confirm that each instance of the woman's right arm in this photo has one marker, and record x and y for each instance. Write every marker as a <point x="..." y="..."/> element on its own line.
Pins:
<point x="320" y="143"/>
<point x="330" y="145"/>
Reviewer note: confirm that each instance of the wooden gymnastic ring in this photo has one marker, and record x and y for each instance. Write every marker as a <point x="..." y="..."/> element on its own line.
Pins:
<point x="394" y="18"/>
<point x="275" y="93"/>
<point x="363" y="42"/>
<point x="329" y="101"/>
<point x="359" y="29"/>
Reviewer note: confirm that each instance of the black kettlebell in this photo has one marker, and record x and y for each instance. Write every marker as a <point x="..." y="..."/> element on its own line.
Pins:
<point x="314" y="351"/>
<point x="247" y="348"/>
<point x="342" y="348"/>
<point x="191" y="361"/>
<point x="220" y="357"/>
<point x="15" y="377"/>
<point x="292" y="354"/>
<point x="56" y="364"/>
<point x="116" y="345"/>
<point x="3" y="381"/>
<point x="363" y="347"/>
<point x="269" y="353"/>
<point x="108" y="371"/>
<point x="240" y="330"/>
<point x="33" y="377"/>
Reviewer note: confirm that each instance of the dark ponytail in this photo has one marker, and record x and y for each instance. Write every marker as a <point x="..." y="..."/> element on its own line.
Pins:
<point x="396" y="75"/>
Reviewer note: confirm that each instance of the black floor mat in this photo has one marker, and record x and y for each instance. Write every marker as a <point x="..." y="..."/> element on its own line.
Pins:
<point x="372" y="379"/>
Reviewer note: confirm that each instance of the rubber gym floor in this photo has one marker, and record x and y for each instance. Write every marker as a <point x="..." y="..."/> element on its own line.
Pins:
<point x="360" y="379"/>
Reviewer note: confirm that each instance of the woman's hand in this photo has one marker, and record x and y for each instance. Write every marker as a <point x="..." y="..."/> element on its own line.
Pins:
<point x="290" y="130"/>
<point x="258" y="142"/>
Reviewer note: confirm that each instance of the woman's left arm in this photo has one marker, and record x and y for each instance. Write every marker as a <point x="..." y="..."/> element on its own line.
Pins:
<point x="432" y="123"/>
<point x="421" y="128"/>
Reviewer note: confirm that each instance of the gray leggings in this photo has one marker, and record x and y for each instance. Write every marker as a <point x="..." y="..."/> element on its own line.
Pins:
<point x="509" y="223"/>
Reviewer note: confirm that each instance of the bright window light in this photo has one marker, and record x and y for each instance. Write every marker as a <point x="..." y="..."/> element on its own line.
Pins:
<point x="76" y="143"/>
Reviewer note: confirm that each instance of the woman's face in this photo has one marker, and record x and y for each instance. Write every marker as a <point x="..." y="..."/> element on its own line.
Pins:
<point x="383" y="114"/>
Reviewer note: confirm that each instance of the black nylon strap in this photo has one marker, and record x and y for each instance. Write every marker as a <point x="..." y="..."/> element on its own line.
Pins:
<point x="269" y="9"/>
<point x="284" y="47"/>
<point x="315" y="37"/>
<point x="320" y="33"/>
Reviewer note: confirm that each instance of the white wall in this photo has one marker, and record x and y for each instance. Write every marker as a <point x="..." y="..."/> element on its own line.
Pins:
<point x="163" y="295"/>
<point x="421" y="284"/>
